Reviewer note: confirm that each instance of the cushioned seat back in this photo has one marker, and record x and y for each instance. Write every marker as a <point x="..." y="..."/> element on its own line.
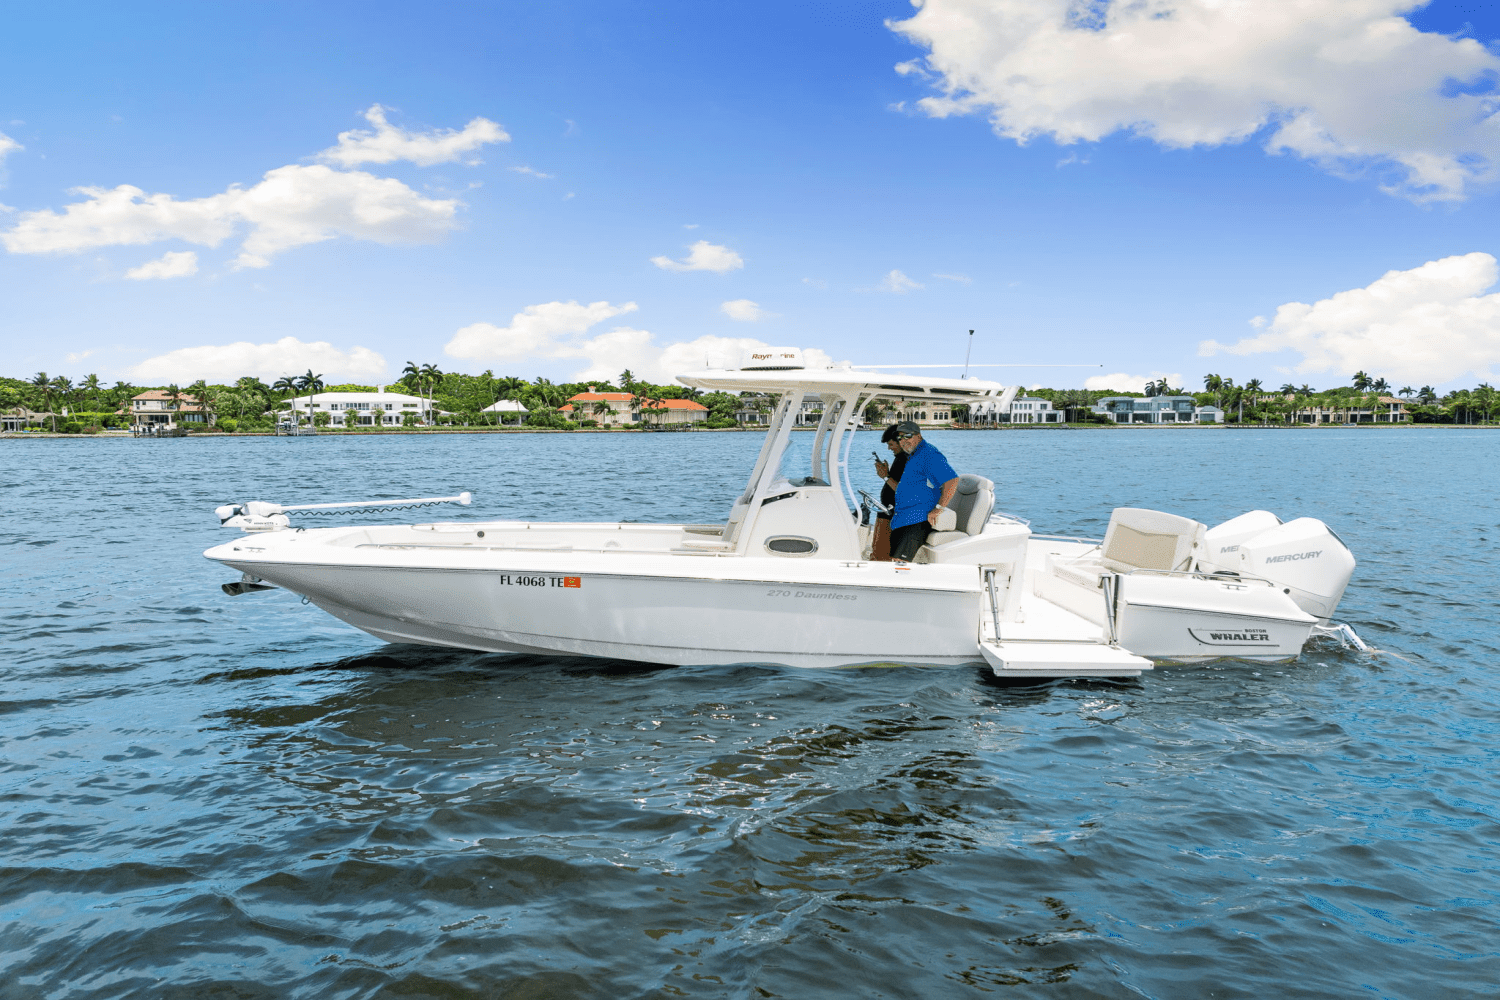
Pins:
<point x="1149" y="539"/>
<point x="973" y="503"/>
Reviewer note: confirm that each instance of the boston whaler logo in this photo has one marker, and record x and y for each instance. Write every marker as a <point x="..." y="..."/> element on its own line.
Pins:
<point x="1293" y="556"/>
<point x="1232" y="637"/>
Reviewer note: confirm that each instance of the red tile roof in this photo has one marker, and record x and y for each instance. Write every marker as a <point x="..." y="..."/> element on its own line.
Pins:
<point x="592" y="397"/>
<point x="673" y="404"/>
<point x="158" y="394"/>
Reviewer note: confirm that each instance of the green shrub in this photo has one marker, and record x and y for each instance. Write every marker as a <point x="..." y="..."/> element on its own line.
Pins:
<point x="228" y="425"/>
<point x="719" y="423"/>
<point x="71" y="427"/>
<point x="588" y="423"/>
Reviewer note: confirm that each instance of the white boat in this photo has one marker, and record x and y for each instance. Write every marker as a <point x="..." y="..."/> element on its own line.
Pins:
<point x="786" y="577"/>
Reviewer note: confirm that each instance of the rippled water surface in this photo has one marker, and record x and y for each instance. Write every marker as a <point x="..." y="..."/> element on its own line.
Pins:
<point x="211" y="797"/>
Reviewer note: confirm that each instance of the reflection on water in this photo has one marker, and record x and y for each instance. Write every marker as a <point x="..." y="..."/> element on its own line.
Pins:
<point x="215" y="797"/>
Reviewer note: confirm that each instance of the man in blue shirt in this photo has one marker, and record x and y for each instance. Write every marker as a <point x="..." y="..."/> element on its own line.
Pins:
<point x="927" y="486"/>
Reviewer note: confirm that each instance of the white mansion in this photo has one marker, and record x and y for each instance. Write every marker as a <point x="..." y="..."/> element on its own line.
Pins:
<point x="386" y="409"/>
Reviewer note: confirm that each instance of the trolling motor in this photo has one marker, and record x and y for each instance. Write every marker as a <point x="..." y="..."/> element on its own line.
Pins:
<point x="257" y="515"/>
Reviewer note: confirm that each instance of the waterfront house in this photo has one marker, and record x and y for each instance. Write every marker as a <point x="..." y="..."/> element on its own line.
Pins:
<point x="674" y="411"/>
<point x="1387" y="410"/>
<point x="1157" y="410"/>
<point x="503" y="406"/>
<point x="1021" y="410"/>
<point x="155" y="409"/>
<point x="611" y="409"/>
<point x="19" y="418"/>
<point x="926" y="416"/>
<point x="364" y="409"/>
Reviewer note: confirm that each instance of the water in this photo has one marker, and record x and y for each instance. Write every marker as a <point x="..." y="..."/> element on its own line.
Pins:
<point x="214" y="797"/>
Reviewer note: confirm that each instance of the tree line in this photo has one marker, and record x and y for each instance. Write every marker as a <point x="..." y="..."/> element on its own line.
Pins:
<point x="251" y="404"/>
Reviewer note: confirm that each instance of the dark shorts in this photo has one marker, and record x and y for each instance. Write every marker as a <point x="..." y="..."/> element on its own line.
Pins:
<point x="907" y="540"/>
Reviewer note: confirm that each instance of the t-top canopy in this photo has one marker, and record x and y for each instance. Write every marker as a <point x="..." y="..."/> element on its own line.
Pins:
<point x="844" y="382"/>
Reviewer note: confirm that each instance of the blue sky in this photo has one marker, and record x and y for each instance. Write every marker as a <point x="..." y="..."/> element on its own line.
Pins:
<point x="1291" y="194"/>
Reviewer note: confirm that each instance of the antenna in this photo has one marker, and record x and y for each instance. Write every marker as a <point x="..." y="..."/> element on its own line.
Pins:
<point x="967" y="351"/>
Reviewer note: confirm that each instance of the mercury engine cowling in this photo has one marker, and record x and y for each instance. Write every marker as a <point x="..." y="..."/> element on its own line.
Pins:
<point x="1221" y="543"/>
<point x="1303" y="556"/>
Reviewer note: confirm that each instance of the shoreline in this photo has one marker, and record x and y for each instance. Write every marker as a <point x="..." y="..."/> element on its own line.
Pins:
<point x="120" y="436"/>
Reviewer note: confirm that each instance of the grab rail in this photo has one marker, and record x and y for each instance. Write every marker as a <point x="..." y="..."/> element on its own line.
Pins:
<point x="1199" y="574"/>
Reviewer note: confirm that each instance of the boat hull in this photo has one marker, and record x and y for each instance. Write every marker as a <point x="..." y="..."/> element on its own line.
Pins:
<point x="726" y="611"/>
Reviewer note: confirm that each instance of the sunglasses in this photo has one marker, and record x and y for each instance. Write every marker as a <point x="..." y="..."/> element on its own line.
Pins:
<point x="903" y="437"/>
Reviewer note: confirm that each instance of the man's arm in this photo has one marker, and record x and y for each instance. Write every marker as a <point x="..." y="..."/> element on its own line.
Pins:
<point x="949" y="488"/>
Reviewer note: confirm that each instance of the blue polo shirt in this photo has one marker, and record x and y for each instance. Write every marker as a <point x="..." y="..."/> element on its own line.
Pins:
<point x="921" y="485"/>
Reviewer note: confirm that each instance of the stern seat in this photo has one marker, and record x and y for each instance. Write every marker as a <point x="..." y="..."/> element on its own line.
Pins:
<point x="1137" y="538"/>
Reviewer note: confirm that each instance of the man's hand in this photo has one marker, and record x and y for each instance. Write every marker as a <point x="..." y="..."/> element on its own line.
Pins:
<point x="932" y="517"/>
<point x="882" y="469"/>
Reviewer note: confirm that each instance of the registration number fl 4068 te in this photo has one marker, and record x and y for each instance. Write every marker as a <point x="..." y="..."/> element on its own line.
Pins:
<point x="530" y="580"/>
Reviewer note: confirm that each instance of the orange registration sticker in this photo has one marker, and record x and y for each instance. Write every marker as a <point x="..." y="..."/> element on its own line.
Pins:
<point x="572" y="581"/>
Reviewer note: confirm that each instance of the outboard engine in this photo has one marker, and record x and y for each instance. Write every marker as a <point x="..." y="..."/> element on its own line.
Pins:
<point x="1303" y="556"/>
<point x="1221" y="543"/>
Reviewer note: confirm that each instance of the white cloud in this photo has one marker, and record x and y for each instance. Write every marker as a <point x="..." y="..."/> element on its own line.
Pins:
<point x="1130" y="383"/>
<point x="8" y="146"/>
<point x="223" y="363"/>
<point x="536" y="331"/>
<point x="1348" y="84"/>
<point x="387" y="143"/>
<point x="529" y="172"/>
<point x="173" y="264"/>
<point x="962" y="279"/>
<point x="703" y="256"/>
<point x="291" y="207"/>
<point x="743" y="310"/>
<point x="79" y="355"/>
<point x="555" y="330"/>
<point x="898" y="283"/>
<point x="1429" y="324"/>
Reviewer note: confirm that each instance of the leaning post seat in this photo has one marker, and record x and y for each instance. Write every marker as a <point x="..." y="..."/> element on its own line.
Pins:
<point x="973" y="504"/>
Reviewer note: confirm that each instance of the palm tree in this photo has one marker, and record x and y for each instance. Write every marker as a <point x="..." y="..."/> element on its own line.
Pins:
<point x="432" y="375"/>
<point x="1361" y="381"/>
<point x="1427" y="395"/>
<point x="602" y="408"/>
<point x="508" y="387"/>
<point x="91" y="386"/>
<point x="1305" y="390"/>
<point x="1287" y="389"/>
<point x="627" y="381"/>
<point x="62" y="386"/>
<point x="1253" y="387"/>
<point x="1484" y="398"/>
<point x="312" y="385"/>
<point x="174" y="396"/>
<point x="1380" y="385"/>
<point x="44" y="385"/>
<point x="1213" y="384"/>
<point x="289" y="384"/>
<point x="207" y="399"/>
